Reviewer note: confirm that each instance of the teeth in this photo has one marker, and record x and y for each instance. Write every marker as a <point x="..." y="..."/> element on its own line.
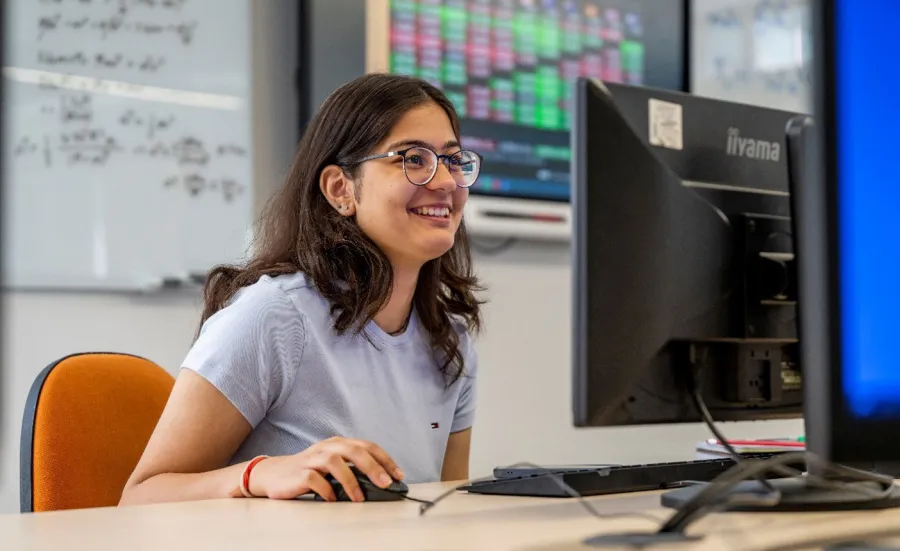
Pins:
<point x="441" y="212"/>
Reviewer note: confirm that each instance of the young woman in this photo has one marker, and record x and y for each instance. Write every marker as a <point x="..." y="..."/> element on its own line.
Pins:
<point x="346" y="337"/>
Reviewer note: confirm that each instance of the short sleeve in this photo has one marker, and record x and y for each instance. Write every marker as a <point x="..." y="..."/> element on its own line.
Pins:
<point x="250" y="349"/>
<point x="464" y="416"/>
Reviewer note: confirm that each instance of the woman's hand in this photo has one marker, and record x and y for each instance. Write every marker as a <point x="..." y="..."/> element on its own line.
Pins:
<point x="287" y="477"/>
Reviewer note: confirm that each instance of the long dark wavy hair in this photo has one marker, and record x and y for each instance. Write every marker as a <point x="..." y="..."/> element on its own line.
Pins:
<point x="299" y="231"/>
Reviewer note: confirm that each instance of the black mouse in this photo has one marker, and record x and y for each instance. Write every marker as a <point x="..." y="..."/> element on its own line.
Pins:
<point x="371" y="492"/>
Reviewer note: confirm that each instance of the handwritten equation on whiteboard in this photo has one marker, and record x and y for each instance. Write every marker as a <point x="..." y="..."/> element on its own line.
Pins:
<point x="126" y="122"/>
<point x="115" y="17"/>
<point x="147" y="134"/>
<point x="755" y="51"/>
<point x="117" y="21"/>
<point x="65" y="66"/>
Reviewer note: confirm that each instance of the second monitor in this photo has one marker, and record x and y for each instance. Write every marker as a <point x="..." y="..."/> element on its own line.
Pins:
<point x="683" y="259"/>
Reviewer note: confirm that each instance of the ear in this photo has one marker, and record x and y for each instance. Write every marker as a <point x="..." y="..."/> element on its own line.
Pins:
<point x="337" y="188"/>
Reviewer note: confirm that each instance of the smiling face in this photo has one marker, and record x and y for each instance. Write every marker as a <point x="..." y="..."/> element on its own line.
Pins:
<point x="411" y="224"/>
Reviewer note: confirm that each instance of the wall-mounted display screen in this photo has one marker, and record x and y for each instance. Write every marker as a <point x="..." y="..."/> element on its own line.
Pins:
<point x="509" y="67"/>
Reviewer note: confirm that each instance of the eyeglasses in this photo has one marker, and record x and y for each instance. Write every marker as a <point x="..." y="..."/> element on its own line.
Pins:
<point x="420" y="165"/>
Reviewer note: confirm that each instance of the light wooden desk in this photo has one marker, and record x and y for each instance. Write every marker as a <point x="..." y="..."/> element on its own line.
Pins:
<point x="461" y="522"/>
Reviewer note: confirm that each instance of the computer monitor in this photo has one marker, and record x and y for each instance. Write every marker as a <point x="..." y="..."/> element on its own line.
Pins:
<point x="850" y="239"/>
<point x="683" y="269"/>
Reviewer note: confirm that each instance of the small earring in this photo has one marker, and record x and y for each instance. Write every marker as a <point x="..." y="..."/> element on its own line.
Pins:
<point x="343" y="207"/>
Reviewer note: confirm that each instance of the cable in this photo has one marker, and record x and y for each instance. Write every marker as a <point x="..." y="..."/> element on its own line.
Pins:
<point x="422" y="501"/>
<point x="707" y="417"/>
<point x="428" y="505"/>
<point x="717" y="494"/>
<point x="558" y="480"/>
<point x="711" y="497"/>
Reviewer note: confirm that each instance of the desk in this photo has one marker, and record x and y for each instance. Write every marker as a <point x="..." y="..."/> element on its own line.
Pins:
<point x="461" y="522"/>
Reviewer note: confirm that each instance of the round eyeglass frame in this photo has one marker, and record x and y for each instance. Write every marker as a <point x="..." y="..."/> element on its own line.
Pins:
<point x="440" y="159"/>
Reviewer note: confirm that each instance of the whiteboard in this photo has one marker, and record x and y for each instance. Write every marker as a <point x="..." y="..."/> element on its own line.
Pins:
<point x="127" y="141"/>
<point x="752" y="51"/>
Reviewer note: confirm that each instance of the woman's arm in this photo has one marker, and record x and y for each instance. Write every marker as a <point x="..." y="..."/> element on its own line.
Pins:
<point x="456" y="458"/>
<point x="200" y="430"/>
<point x="197" y="433"/>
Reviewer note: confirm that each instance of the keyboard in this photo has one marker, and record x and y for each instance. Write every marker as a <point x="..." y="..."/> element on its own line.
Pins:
<point x="609" y="479"/>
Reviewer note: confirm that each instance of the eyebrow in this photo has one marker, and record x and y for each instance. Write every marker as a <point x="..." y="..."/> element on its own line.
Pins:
<point x="449" y="144"/>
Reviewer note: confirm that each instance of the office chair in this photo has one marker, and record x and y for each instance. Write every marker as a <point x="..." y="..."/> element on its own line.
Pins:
<point x="87" y="420"/>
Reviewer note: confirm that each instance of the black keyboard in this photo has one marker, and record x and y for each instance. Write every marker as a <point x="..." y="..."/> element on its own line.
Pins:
<point x="608" y="480"/>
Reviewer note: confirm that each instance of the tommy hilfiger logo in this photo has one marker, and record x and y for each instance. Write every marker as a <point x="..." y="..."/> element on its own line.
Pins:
<point x="435" y="426"/>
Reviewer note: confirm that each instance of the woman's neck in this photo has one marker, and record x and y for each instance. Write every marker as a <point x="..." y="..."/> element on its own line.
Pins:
<point x="395" y="314"/>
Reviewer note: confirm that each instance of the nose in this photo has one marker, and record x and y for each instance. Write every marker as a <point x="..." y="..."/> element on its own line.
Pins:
<point x="443" y="180"/>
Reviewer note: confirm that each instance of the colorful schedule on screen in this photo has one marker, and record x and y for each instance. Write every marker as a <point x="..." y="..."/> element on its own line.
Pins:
<point x="509" y="67"/>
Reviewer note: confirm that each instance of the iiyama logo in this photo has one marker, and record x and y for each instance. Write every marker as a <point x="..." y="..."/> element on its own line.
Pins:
<point x="752" y="149"/>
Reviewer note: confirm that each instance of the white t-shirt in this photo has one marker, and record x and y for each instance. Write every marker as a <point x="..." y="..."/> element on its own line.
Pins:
<point x="273" y="352"/>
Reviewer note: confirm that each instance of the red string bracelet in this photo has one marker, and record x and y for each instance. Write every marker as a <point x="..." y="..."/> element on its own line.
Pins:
<point x="245" y="476"/>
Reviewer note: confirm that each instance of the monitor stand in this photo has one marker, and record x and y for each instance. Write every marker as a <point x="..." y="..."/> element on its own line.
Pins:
<point x="797" y="495"/>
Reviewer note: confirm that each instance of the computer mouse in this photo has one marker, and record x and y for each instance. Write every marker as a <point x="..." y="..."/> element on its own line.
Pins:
<point x="371" y="492"/>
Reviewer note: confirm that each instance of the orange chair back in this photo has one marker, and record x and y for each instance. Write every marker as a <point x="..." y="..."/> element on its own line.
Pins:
<point x="87" y="421"/>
